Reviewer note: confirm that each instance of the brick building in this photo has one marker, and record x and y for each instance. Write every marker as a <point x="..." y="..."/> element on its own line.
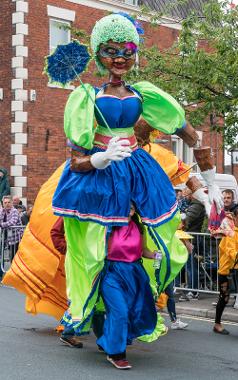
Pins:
<point x="31" y="110"/>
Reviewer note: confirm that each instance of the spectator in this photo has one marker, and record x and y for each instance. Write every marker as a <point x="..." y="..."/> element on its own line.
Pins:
<point x="228" y="198"/>
<point x="17" y="202"/>
<point x="194" y="221"/>
<point x="228" y="260"/>
<point x="179" y="194"/>
<point x="177" y="324"/>
<point x="25" y="215"/>
<point x="184" y="201"/>
<point x="9" y="218"/>
<point x="4" y="184"/>
<point x="229" y="205"/>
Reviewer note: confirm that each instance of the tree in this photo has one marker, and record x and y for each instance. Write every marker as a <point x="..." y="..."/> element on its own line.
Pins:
<point x="201" y="69"/>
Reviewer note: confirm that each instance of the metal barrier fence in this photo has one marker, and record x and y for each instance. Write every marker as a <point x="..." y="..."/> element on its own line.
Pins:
<point x="200" y="273"/>
<point x="9" y="242"/>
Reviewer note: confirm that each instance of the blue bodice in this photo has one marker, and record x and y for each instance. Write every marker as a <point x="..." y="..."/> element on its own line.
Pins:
<point x="119" y="112"/>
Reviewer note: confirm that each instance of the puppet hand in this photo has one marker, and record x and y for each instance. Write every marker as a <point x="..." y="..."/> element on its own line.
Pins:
<point x="202" y="197"/>
<point x="116" y="151"/>
<point x="214" y="192"/>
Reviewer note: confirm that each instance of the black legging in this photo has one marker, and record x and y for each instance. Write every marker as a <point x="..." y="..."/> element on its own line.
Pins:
<point x="223" y="296"/>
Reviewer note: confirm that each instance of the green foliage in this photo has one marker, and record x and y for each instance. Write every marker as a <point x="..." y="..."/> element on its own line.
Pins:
<point x="201" y="68"/>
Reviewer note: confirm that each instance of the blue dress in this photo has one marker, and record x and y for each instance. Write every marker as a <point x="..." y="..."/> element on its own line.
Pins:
<point x="104" y="196"/>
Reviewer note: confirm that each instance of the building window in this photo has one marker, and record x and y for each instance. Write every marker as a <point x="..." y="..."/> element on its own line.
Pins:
<point x="175" y="147"/>
<point x="59" y="34"/>
<point x="182" y="150"/>
<point x="186" y="154"/>
<point x="131" y="2"/>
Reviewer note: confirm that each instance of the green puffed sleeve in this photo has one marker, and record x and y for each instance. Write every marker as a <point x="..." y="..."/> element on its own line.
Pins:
<point x="79" y="117"/>
<point x="160" y="110"/>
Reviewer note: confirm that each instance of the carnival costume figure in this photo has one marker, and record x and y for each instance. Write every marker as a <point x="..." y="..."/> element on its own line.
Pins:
<point x="108" y="171"/>
<point x="106" y="174"/>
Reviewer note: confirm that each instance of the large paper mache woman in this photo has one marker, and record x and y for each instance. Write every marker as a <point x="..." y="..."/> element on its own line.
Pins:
<point x="106" y="174"/>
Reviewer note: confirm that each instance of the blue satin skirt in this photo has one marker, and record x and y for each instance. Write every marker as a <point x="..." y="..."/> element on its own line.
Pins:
<point x="130" y="306"/>
<point x="105" y="196"/>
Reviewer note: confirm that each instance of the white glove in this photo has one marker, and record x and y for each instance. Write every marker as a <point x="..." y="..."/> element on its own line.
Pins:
<point x="214" y="192"/>
<point x="202" y="197"/>
<point x="116" y="151"/>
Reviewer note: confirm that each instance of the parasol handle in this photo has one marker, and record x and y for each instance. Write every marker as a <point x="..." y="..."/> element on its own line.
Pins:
<point x="100" y="113"/>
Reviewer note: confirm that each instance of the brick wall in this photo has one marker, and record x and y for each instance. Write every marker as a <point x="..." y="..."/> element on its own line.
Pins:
<point x="5" y="81"/>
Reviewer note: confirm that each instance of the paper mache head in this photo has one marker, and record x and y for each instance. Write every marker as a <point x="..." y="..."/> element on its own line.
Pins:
<point x="115" y="27"/>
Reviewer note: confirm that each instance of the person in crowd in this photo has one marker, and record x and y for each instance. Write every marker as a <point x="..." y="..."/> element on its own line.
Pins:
<point x="229" y="205"/>
<point x="179" y="194"/>
<point x="176" y="323"/>
<point x="228" y="199"/>
<point x="10" y="222"/>
<point x="4" y="183"/>
<point x="1" y="271"/>
<point x="16" y="201"/>
<point x="185" y="200"/>
<point x="194" y="221"/>
<point x="228" y="260"/>
<point x="25" y="215"/>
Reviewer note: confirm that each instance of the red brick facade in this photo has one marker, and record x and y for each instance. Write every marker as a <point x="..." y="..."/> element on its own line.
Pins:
<point x="6" y="9"/>
<point x="45" y="147"/>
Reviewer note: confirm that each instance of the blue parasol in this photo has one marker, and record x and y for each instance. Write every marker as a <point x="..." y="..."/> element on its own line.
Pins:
<point x="66" y="64"/>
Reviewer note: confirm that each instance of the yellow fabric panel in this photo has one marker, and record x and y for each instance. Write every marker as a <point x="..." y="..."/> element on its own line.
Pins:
<point x="172" y="166"/>
<point x="38" y="268"/>
<point x="228" y="250"/>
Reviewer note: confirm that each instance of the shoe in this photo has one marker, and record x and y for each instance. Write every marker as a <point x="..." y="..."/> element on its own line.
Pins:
<point x="72" y="341"/>
<point x="100" y="349"/>
<point x="178" y="325"/>
<point x="119" y="364"/>
<point x="214" y="304"/>
<point x="183" y="298"/>
<point x="235" y="306"/>
<point x="193" y="296"/>
<point x="222" y="332"/>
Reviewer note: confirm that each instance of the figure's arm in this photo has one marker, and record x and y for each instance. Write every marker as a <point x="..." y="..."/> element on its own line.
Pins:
<point x="117" y="150"/>
<point x="203" y="156"/>
<point x="204" y="160"/>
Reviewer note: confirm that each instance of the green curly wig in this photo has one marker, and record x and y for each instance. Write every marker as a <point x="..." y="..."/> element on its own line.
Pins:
<point x="113" y="27"/>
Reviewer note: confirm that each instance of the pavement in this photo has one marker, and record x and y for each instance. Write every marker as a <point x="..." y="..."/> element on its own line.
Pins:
<point x="30" y="349"/>
<point x="203" y="308"/>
